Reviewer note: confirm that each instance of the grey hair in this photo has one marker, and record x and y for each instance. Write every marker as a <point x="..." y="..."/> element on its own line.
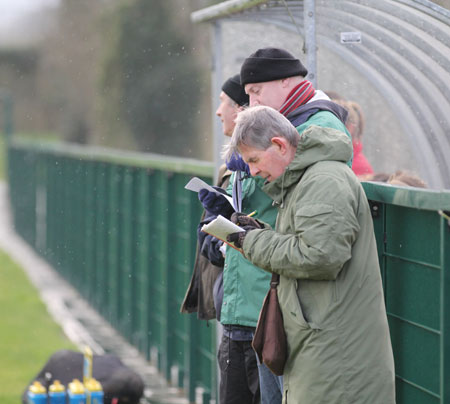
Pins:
<point x="256" y="126"/>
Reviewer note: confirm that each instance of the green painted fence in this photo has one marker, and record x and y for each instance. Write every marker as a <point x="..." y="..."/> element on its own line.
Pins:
<point x="121" y="228"/>
<point x="412" y="227"/>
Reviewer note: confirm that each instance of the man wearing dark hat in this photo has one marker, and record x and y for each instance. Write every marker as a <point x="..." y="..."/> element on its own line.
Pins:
<point x="244" y="285"/>
<point x="201" y="296"/>
<point x="275" y="78"/>
<point x="232" y="100"/>
<point x="234" y="300"/>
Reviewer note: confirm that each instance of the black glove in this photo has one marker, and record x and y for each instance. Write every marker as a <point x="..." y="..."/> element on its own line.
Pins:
<point x="247" y="223"/>
<point x="214" y="203"/>
<point x="241" y="219"/>
<point x="237" y="238"/>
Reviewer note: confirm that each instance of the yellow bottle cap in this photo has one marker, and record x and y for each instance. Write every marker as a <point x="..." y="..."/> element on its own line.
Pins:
<point x="93" y="385"/>
<point x="37" y="387"/>
<point x="56" y="387"/>
<point x="76" y="387"/>
<point x="87" y="351"/>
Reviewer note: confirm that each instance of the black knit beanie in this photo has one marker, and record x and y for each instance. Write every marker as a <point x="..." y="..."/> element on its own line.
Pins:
<point x="270" y="64"/>
<point x="232" y="87"/>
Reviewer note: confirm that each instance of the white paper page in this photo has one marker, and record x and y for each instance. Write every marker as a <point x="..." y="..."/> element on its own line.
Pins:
<point x="221" y="228"/>
<point x="196" y="184"/>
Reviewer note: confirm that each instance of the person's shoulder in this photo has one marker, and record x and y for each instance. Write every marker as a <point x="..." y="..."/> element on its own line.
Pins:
<point x="224" y="176"/>
<point x="334" y="180"/>
<point x="325" y="118"/>
<point x="330" y="171"/>
<point x="329" y="167"/>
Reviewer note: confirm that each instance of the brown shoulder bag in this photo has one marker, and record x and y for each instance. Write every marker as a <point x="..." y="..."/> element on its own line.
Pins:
<point x="269" y="341"/>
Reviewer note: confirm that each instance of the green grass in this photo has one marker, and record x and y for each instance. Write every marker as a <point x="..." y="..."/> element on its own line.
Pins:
<point x="28" y="335"/>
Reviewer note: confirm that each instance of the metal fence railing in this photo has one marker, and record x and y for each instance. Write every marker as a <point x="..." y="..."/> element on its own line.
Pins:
<point x="412" y="227"/>
<point x="122" y="229"/>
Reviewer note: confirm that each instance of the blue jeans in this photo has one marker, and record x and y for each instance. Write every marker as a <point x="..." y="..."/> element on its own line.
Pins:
<point x="271" y="386"/>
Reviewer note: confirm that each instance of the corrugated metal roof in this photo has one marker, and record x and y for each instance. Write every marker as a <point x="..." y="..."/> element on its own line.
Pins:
<point x="405" y="53"/>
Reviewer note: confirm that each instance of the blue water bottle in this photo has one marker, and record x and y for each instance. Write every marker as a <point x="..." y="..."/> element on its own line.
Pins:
<point x="94" y="392"/>
<point x="76" y="392"/>
<point x="57" y="393"/>
<point x="37" y="394"/>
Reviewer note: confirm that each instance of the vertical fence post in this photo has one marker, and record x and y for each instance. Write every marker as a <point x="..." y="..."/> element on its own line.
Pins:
<point x="309" y="21"/>
<point x="7" y="101"/>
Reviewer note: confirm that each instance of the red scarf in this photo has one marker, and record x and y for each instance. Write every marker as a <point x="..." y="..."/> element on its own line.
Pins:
<point x="300" y="95"/>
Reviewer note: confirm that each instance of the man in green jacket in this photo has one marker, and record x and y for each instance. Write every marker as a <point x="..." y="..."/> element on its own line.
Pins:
<point x="323" y="247"/>
<point x="244" y="285"/>
<point x="272" y="77"/>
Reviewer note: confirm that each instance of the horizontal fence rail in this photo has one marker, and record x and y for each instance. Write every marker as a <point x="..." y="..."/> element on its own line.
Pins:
<point x="122" y="229"/>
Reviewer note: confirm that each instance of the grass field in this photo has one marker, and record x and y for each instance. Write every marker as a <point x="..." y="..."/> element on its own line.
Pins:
<point x="28" y="335"/>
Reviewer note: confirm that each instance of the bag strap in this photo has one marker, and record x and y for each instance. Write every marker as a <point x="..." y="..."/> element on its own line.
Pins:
<point x="275" y="281"/>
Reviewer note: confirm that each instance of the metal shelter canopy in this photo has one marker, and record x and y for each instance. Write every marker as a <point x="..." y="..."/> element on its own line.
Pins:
<point x="404" y="54"/>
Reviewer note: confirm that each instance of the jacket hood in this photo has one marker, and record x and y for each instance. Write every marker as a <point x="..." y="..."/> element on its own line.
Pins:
<point x="315" y="144"/>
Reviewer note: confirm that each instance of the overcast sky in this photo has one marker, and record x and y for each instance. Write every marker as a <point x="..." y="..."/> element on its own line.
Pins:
<point x="10" y="10"/>
<point x="15" y="27"/>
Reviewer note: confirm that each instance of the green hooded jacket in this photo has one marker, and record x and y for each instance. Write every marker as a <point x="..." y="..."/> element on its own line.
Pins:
<point x="330" y="291"/>
<point x="246" y="285"/>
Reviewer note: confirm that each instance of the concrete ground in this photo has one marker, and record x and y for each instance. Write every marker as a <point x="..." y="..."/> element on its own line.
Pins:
<point x="82" y="324"/>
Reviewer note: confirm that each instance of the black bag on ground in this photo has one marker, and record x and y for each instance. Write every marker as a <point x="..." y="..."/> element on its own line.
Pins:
<point x="118" y="380"/>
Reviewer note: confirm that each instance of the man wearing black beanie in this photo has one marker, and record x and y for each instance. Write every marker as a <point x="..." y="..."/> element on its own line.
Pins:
<point x="274" y="77"/>
<point x="201" y="297"/>
<point x="244" y="285"/>
<point x="232" y="99"/>
<point x="239" y="381"/>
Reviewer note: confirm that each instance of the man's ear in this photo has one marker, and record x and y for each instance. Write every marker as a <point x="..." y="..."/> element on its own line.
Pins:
<point x="281" y="143"/>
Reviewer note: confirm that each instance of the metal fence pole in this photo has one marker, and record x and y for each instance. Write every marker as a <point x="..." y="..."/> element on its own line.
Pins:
<point x="7" y="101"/>
<point x="217" y="81"/>
<point x="309" y="20"/>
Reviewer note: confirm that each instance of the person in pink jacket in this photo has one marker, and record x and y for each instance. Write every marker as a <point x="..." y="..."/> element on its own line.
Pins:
<point x="355" y="125"/>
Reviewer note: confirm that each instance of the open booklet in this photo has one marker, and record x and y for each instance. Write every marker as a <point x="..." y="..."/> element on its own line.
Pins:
<point x="196" y="184"/>
<point x="221" y="228"/>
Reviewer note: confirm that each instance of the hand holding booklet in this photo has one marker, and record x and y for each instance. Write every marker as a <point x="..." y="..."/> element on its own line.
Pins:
<point x="196" y="184"/>
<point x="221" y="228"/>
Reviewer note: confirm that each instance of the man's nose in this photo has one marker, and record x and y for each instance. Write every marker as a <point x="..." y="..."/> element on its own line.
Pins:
<point x="253" y="170"/>
<point x="253" y="102"/>
<point x="218" y="113"/>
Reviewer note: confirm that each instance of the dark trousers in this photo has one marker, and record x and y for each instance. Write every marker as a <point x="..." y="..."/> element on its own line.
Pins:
<point x="239" y="381"/>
